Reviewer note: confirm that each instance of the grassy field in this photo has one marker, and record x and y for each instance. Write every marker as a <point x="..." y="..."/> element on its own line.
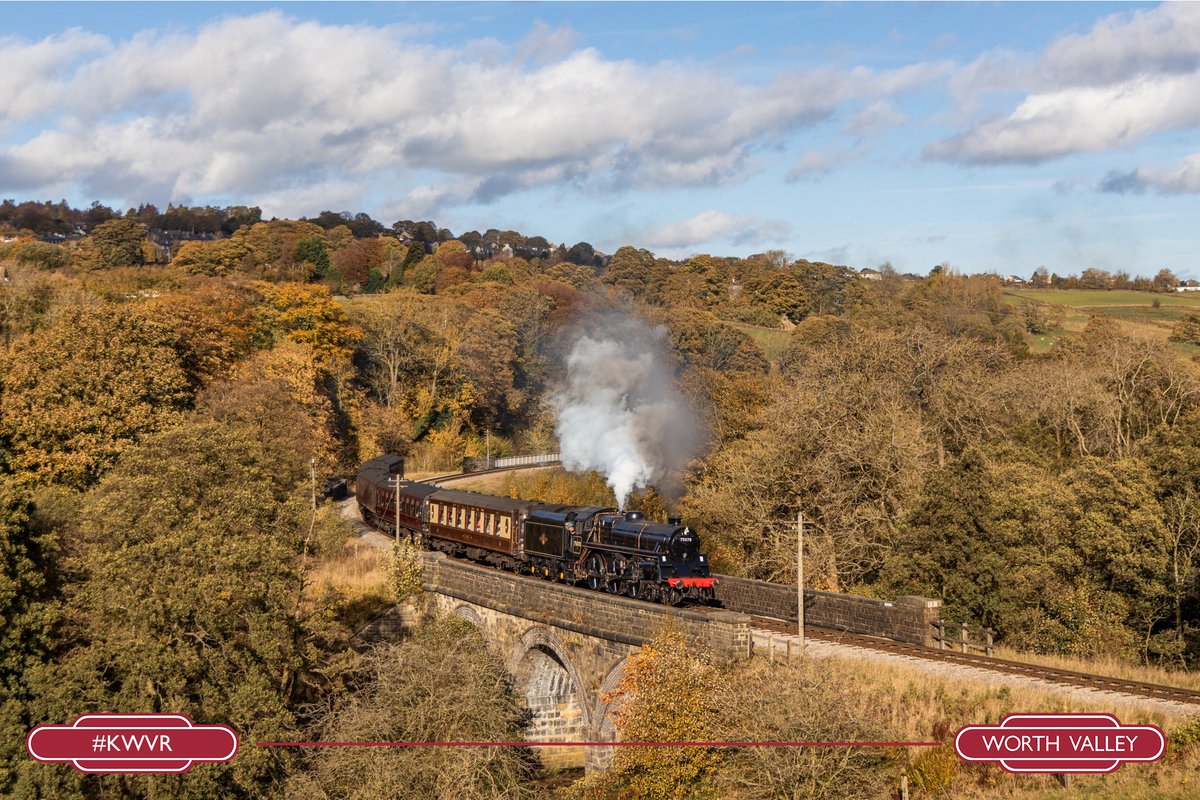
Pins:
<point x="1133" y="311"/>
<point x="1100" y="298"/>
<point x="773" y="341"/>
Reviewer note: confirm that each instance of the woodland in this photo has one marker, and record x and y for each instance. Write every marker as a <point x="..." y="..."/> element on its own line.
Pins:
<point x="171" y="382"/>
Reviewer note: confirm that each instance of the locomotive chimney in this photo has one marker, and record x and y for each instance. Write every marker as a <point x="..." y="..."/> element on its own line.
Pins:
<point x="674" y="520"/>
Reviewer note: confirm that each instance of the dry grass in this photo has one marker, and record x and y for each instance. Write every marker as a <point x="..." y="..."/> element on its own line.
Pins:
<point x="1108" y="666"/>
<point x="926" y="707"/>
<point x="353" y="584"/>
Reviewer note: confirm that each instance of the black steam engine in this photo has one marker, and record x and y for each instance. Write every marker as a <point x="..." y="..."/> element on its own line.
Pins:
<point x="608" y="550"/>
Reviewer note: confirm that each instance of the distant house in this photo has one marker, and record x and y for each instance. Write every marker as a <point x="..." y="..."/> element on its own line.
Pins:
<point x="870" y="274"/>
<point x="1189" y="286"/>
<point x="1013" y="280"/>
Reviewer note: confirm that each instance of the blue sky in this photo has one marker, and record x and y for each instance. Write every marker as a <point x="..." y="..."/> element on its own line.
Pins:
<point x="992" y="136"/>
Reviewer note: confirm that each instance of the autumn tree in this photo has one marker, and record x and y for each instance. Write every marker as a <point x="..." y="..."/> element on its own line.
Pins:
<point x="220" y="258"/>
<point x="668" y="694"/>
<point x="631" y="269"/>
<point x="274" y="250"/>
<point x="706" y="341"/>
<point x="306" y="314"/>
<point x="116" y="243"/>
<point x="216" y="325"/>
<point x="1165" y="281"/>
<point x="441" y="685"/>
<point x="81" y="391"/>
<point x="809" y="700"/>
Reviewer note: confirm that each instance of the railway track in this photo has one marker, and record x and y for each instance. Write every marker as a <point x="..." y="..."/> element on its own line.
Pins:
<point x="462" y="476"/>
<point x="1049" y="674"/>
<point x="1054" y="675"/>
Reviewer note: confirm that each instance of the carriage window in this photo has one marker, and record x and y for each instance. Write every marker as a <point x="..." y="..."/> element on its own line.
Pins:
<point x="489" y="524"/>
<point x="505" y="529"/>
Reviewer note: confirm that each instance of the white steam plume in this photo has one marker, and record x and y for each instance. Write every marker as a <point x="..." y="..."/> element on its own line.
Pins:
<point x="619" y="412"/>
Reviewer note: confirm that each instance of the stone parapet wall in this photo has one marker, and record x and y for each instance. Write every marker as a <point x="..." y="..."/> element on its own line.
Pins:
<point x="723" y="634"/>
<point x="905" y="619"/>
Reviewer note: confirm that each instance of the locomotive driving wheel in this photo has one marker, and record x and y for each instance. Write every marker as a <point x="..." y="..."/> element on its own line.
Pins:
<point x="616" y="577"/>
<point x="595" y="568"/>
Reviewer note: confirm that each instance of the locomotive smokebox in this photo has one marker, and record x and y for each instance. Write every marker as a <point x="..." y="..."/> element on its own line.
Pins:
<point x="675" y="521"/>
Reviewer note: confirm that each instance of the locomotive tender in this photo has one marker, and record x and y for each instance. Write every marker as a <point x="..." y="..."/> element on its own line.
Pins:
<point x="606" y="549"/>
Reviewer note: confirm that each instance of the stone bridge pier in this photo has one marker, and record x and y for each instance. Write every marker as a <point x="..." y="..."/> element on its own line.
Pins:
<point x="566" y="647"/>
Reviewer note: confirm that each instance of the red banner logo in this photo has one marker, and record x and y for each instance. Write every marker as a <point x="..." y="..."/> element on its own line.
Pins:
<point x="132" y="743"/>
<point x="1060" y="743"/>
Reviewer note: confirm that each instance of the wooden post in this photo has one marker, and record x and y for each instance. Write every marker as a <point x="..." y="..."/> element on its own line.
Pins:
<point x="990" y="634"/>
<point x="312" y="472"/>
<point x="963" y="637"/>
<point x="800" y="578"/>
<point x="903" y="787"/>
<point x="770" y="648"/>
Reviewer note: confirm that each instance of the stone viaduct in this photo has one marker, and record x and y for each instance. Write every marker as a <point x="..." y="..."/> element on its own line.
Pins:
<point x="566" y="647"/>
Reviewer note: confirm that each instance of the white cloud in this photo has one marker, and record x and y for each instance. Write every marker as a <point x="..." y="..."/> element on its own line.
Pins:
<point x="1075" y="120"/>
<point x="266" y="105"/>
<point x="33" y="71"/>
<point x="712" y="226"/>
<point x="1131" y="75"/>
<point x="1183" y="178"/>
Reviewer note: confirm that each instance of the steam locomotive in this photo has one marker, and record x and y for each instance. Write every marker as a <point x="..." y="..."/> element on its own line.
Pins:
<point x="603" y="548"/>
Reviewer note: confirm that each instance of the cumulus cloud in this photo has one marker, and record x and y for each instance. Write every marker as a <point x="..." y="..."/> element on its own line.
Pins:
<point x="1131" y="75"/>
<point x="1081" y="119"/>
<point x="265" y="105"/>
<point x="713" y="225"/>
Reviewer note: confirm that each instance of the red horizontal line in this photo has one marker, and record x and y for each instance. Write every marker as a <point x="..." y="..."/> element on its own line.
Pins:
<point x="598" y="744"/>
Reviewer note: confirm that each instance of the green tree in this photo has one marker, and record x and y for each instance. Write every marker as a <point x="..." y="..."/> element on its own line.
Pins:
<point x="185" y="599"/>
<point x="312" y="250"/>
<point x="26" y="615"/>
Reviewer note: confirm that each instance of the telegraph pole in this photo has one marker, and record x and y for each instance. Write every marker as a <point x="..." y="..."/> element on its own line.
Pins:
<point x="488" y="457"/>
<point x="312" y="472"/>
<point x="800" y="578"/>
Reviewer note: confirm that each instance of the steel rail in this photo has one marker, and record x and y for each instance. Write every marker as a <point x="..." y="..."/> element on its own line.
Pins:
<point x="1084" y="680"/>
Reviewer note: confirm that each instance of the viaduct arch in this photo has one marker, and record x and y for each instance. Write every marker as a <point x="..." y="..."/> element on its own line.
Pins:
<point x="566" y="647"/>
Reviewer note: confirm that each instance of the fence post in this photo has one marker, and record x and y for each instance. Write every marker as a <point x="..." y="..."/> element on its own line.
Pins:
<point x="990" y="634"/>
<point x="963" y="638"/>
